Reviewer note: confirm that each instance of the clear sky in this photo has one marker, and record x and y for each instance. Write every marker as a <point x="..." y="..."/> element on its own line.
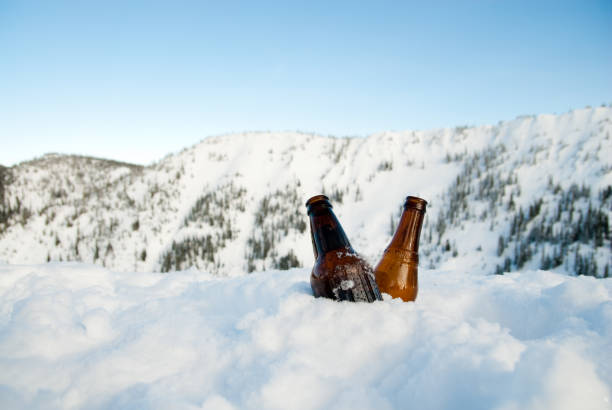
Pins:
<point x="134" y="80"/>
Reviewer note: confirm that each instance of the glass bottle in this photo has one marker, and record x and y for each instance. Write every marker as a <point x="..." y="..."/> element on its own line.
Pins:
<point x="339" y="272"/>
<point x="397" y="271"/>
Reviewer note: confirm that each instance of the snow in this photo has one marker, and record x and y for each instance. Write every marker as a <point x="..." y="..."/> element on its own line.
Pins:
<point x="80" y="336"/>
<point x="80" y="206"/>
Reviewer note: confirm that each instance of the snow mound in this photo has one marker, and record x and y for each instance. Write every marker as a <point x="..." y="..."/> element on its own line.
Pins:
<point x="80" y="336"/>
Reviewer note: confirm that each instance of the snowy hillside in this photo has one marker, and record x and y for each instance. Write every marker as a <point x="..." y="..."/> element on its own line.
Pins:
<point x="81" y="336"/>
<point x="534" y="192"/>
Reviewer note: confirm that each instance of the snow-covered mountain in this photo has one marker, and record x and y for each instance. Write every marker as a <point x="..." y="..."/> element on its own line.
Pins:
<point x="534" y="192"/>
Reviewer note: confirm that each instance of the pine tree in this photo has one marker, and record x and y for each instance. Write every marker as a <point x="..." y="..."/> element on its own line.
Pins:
<point x="500" y="246"/>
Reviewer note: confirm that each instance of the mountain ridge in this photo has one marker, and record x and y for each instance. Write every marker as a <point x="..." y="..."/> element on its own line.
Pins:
<point x="231" y="204"/>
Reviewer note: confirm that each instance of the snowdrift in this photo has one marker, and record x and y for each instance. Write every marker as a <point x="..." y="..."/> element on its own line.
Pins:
<point x="80" y="336"/>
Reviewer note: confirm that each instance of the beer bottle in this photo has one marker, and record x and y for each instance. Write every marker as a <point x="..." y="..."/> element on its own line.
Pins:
<point x="338" y="273"/>
<point x="397" y="271"/>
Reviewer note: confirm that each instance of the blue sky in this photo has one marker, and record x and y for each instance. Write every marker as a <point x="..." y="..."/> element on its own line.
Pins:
<point x="134" y="80"/>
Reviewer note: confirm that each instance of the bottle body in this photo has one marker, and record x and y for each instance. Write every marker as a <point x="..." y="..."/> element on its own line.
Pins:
<point x="397" y="274"/>
<point x="344" y="275"/>
<point x="397" y="271"/>
<point x="339" y="273"/>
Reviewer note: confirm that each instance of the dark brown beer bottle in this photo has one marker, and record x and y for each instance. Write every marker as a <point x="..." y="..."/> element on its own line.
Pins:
<point x="338" y="273"/>
<point x="397" y="271"/>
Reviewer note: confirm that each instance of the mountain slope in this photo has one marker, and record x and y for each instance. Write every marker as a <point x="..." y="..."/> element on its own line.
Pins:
<point x="234" y="204"/>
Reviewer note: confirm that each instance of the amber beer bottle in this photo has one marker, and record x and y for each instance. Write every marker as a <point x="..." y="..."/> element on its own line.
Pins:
<point x="397" y="271"/>
<point x="339" y="272"/>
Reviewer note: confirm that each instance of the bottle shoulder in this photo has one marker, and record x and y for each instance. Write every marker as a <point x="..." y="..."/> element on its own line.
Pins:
<point x="339" y="260"/>
<point x="400" y="255"/>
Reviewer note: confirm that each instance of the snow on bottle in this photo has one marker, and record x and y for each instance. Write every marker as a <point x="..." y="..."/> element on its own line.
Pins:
<point x="339" y="272"/>
<point x="397" y="271"/>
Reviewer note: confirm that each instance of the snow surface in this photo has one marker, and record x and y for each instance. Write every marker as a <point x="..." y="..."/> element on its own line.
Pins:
<point x="80" y="336"/>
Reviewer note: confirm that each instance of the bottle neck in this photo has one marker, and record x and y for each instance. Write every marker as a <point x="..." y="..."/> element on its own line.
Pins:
<point x="327" y="233"/>
<point x="409" y="230"/>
